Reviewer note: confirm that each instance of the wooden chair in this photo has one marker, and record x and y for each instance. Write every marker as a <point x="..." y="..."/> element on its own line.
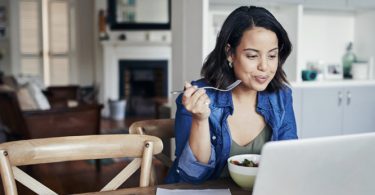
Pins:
<point x="55" y="122"/>
<point x="161" y="128"/>
<point x="50" y="150"/>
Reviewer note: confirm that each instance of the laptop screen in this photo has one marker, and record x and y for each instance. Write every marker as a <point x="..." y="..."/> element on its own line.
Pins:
<point x="342" y="165"/>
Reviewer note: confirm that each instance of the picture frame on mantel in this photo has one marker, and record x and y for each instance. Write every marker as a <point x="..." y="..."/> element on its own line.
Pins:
<point x="139" y="14"/>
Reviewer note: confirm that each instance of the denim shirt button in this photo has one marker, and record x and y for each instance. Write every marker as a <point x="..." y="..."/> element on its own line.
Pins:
<point x="178" y="171"/>
<point x="213" y="137"/>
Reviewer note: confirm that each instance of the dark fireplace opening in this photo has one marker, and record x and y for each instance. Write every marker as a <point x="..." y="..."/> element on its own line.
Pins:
<point x="143" y="83"/>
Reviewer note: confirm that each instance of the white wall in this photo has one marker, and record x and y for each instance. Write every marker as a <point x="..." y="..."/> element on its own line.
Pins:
<point x="5" y="41"/>
<point x="364" y="36"/>
<point x="85" y="52"/>
<point x="99" y="4"/>
<point x="290" y="18"/>
<point x="14" y="37"/>
<point x="189" y="19"/>
<point x="325" y="35"/>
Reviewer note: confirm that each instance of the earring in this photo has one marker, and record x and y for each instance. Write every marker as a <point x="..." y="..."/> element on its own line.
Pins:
<point x="230" y="64"/>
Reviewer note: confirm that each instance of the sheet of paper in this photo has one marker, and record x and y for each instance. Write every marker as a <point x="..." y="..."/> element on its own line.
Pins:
<point x="161" y="191"/>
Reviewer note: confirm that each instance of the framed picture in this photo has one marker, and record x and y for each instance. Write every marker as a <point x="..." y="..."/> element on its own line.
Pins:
<point x="3" y="26"/>
<point x="136" y="15"/>
<point x="333" y="72"/>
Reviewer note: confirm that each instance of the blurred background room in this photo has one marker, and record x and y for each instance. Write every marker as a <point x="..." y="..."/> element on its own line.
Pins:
<point x="110" y="63"/>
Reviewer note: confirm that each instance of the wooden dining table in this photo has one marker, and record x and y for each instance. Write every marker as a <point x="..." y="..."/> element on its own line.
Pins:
<point x="214" y="184"/>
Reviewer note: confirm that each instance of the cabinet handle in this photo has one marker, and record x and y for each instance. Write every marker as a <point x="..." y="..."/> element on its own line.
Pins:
<point x="348" y="98"/>
<point x="340" y="98"/>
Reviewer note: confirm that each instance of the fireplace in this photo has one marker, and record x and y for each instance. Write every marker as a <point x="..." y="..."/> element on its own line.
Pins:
<point x="142" y="83"/>
<point x="119" y="52"/>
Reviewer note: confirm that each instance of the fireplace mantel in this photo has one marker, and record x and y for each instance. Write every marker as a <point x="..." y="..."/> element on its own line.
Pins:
<point x="113" y="52"/>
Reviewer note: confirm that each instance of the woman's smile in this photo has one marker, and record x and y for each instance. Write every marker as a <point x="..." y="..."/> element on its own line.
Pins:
<point x="261" y="79"/>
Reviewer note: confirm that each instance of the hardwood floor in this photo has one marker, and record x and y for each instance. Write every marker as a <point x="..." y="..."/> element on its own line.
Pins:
<point x="81" y="176"/>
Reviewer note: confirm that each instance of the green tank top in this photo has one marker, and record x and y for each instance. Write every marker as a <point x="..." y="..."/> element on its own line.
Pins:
<point x="253" y="147"/>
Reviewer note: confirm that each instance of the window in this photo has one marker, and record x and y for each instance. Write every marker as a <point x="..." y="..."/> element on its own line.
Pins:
<point x="44" y="40"/>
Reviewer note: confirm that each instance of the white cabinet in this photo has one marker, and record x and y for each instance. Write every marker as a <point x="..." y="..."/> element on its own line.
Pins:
<point x="359" y="110"/>
<point x="297" y="102"/>
<point x="361" y="4"/>
<point x="321" y="113"/>
<point x="328" y="111"/>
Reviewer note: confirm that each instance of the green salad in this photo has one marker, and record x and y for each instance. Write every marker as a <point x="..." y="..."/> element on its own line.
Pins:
<point x="245" y="163"/>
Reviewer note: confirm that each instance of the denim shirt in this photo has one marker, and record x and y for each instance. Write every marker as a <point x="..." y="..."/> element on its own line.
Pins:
<point x="275" y="107"/>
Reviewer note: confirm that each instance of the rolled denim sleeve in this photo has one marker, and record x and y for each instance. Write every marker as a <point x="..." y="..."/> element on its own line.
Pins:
<point x="187" y="167"/>
<point x="192" y="167"/>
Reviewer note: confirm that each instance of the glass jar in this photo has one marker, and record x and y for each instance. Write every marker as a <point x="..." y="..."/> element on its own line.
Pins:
<point x="347" y="61"/>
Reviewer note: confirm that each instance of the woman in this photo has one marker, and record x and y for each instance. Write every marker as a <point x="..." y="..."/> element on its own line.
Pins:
<point x="211" y="126"/>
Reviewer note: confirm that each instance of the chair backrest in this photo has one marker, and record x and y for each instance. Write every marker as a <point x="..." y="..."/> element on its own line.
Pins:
<point x="161" y="128"/>
<point x="49" y="150"/>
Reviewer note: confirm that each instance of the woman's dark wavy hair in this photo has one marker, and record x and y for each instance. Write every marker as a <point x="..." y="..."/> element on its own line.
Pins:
<point x="216" y="70"/>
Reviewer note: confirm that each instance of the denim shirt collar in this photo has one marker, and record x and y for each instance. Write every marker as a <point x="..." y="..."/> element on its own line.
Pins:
<point x="224" y="99"/>
<point x="268" y="105"/>
<point x="266" y="101"/>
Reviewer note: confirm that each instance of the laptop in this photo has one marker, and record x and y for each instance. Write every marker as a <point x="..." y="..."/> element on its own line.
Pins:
<point x="339" y="165"/>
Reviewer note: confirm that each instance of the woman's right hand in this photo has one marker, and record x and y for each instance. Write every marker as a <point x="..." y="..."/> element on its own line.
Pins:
<point x="196" y="102"/>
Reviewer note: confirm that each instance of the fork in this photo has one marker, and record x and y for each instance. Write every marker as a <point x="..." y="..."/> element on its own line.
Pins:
<point x="229" y="88"/>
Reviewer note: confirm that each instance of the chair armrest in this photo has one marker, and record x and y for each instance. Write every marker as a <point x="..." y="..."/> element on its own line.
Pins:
<point x="162" y="128"/>
<point x="56" y="122"/>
